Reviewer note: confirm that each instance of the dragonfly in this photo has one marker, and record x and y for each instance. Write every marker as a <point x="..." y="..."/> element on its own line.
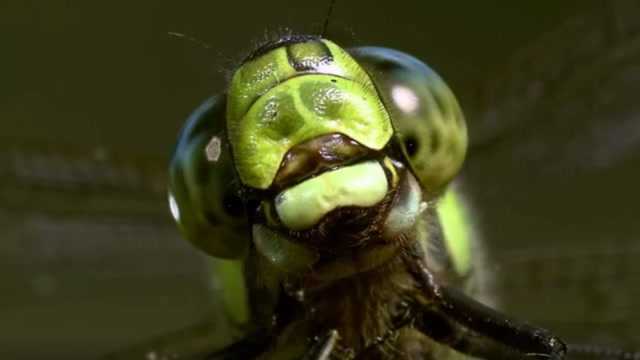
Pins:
<point x="322" y="174"/>
<point x="317" y="176"/>
<point x="530" y="265"/>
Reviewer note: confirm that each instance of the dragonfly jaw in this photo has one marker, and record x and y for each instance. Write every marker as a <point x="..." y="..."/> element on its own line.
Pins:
<point x="361" y="185"/>
<point x="360" y="206"/>
<point x="327" y="173"/>
<point x="406" y="207"/>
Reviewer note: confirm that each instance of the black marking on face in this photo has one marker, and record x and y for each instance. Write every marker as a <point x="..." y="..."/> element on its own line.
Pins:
<point x="308" y="56"/>
<point x="279" y="42"/>
<point x="411" y="145"/>
<point x="386" y="66"/>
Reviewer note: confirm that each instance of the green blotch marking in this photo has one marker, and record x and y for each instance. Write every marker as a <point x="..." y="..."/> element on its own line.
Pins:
<point x="279" y="118"/>
<point x="255" y="78"/>
<point x="454" y="218"/>
<point x="325" y="99"/>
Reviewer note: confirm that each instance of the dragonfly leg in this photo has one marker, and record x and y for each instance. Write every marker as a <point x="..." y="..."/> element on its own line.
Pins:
<point x="449" y="316"/>
<point x="323" y="348"/>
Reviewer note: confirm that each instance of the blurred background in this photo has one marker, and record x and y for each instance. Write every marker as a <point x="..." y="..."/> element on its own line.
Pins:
<point x="93" y="94"/>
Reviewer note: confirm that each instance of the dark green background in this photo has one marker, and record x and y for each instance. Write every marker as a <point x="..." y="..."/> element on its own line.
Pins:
<point x="94" y="93"/>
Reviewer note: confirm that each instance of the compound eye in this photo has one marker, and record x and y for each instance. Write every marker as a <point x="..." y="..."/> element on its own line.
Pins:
<point x="204" y="196"/>
<point x="427" y="118"/>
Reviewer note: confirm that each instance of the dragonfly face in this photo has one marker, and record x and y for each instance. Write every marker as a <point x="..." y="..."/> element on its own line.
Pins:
<point x="320" y="171"/>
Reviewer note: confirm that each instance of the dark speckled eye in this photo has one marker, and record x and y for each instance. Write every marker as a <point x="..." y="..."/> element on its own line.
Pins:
<point x="427" y="118"/>
<point x="202" y="195"/>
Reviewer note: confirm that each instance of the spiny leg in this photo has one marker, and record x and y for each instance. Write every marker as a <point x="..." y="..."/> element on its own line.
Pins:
<point x="323" y="348"/>
<point x="446" y="331"/>
<point x="473" y="328"/>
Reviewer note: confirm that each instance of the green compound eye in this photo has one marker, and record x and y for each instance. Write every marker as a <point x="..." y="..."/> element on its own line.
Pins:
<point x="425" y="114"/>
<point x="203" y="198"/>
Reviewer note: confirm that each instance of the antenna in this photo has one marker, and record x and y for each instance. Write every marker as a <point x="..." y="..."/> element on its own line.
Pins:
<point x="189" y="38"/>
<point x="326" y="19"/>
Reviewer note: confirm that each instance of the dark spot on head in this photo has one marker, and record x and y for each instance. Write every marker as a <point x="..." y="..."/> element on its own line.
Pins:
<point x="386" y="65"/>
<point x="411" y="145"/>
<point x="334" y="81"/>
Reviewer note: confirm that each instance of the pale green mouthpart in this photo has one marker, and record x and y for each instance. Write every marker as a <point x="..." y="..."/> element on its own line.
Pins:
<point x="302" y="206"/>
<point x="286" y="256"/>
<point x="405" y="208"/>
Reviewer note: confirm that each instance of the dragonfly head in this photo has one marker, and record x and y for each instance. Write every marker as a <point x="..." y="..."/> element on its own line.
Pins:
<point x="316" y="146"/>
<point x="308" y="128"/>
